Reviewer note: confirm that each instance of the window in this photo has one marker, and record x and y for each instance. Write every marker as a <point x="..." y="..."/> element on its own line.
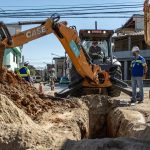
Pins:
<point x="14" y="57"/>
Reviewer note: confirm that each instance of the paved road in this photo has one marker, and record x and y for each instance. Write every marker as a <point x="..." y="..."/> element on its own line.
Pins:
<point x="58" y="87"/>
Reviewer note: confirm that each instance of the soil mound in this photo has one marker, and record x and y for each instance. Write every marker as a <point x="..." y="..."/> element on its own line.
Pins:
<point x="22" y="93"/>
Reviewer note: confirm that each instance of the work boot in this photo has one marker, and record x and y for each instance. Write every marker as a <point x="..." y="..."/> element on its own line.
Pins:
<point x="133" y="101"/>
<point x="140" y="101"/>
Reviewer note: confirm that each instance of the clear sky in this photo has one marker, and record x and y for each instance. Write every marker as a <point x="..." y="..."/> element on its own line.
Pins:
<point x="39" y="51"/>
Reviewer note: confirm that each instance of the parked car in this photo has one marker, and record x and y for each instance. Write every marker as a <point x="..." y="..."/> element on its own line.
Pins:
<point x="64" y="80"/>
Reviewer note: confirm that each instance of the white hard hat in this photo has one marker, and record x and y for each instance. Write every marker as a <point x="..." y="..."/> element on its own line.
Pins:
<point x="135" y="49"/>
<point x="26" y="63"/>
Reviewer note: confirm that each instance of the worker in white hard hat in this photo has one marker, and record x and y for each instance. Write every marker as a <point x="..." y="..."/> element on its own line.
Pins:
<point x="138" y="71"/>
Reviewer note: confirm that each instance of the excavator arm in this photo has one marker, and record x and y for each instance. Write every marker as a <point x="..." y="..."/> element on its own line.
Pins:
<point x="92" y="74"/>
<point x="147" y="22"/>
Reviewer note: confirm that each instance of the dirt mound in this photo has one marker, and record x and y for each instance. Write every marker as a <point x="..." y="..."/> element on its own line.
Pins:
<point x="22" y="93"/>
<point x="18" y="130"/>
<point x="66" y="120"/>
<point x="10" y="113"/>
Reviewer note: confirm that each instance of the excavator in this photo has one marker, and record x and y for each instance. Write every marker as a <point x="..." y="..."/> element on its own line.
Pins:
<point x="93" y="78"/>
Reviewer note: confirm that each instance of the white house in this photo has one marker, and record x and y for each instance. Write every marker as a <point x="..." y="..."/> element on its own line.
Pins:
<point x="12" y="58"/>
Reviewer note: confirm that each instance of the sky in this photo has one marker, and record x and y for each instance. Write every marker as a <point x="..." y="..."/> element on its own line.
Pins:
<point x="39" y="52"/>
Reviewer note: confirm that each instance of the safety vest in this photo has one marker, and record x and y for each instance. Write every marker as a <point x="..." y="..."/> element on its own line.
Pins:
<point x="24" y="72"/>
<point x="137" y="67"/>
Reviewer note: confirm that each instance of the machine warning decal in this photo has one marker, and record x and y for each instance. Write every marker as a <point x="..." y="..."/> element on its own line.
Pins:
<point x="74" y="48"/>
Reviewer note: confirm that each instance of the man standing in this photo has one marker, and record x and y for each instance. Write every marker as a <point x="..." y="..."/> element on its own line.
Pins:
<point x="24" y="72"/>
<point x="138" y="72"/>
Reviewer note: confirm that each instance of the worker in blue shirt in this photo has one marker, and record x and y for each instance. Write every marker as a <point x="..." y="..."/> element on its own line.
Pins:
<point x="24" y="72"/>
<point x="138" y="72"/>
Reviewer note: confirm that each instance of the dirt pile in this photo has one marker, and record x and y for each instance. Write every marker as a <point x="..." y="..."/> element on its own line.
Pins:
<point x="66" y="120"/>
<point x="18" y="130"/>
<point x="22" y="93"/>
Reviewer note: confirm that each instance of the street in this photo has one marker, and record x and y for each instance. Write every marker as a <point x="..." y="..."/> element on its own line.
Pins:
<point x="47" y="88"/>
<point x="59" y="87"/>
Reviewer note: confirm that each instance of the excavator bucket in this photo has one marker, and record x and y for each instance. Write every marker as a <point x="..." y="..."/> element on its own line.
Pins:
<point x="147" y="22"/>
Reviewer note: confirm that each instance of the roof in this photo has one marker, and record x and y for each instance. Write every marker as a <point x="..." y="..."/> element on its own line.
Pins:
<point x="57" y="58"/>
<point x="140" y="33"/>
<point x="130" y="22"/>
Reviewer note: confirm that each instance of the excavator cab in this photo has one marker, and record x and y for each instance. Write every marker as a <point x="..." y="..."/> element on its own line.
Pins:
<point x="98" y="45"/>
<point x="97" y="38"/>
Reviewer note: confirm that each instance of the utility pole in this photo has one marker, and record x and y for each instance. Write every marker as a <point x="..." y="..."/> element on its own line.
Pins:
<point x="65" y="64"/>
<point x="95" y="25"/>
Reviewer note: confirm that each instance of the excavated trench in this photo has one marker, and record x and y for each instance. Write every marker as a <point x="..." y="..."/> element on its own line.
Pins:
<point x="112" y="125"/>
<point x="99" y="108"/>
<point x="113" y="118"/>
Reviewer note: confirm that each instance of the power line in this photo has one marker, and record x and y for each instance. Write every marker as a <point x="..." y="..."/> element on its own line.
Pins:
<point x="69" y="13"/>
<point x="83" y="17"/>
<point x="72" y="10"/>
<point x="106" y="11"/>
<point x="73" y="4"/>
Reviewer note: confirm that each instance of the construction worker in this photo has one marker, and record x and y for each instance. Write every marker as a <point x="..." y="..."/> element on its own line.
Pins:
<point x="52" y="84"/>
<point x="24" y="72"/>
<point x="95" y="52"/>
<point x="138" y="71"/>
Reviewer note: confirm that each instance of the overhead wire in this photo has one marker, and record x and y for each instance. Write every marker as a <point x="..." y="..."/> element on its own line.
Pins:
<point x="75" y="11"/>
<point x="84" y="4"/>
<point x="75" y="7"/>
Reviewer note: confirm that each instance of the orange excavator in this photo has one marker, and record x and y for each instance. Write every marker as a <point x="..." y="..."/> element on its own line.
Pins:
<point x="93" y="79"/>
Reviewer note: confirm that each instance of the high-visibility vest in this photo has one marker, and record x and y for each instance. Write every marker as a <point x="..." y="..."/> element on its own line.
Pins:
<point x="24" y="72"/>
<point x="137" y="67"/>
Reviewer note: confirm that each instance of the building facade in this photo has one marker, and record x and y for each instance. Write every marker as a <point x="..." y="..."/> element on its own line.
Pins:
<point x="12" y="58"/>
<point x="129" y="35"/>
<point x="60" y="67"/>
